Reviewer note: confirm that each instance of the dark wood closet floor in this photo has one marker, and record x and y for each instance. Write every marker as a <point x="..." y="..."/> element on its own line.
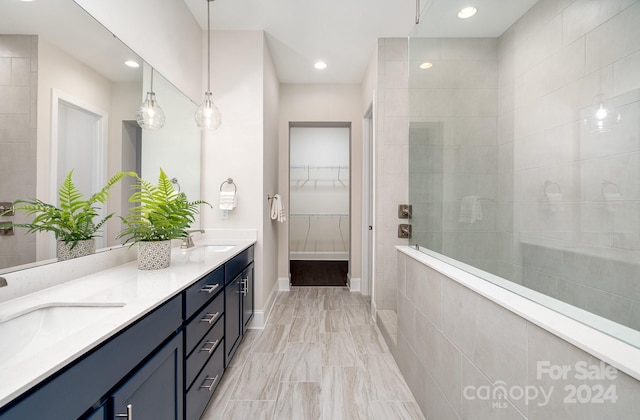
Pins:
<point x="318" y="273"/>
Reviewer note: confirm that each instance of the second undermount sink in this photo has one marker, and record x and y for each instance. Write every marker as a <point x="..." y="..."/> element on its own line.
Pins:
<point x="42" y="326"/>
<point x="218" y="248"/>
<point x="211" y="248"/>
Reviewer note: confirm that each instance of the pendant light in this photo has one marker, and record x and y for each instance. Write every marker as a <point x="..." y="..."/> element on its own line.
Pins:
<point x="150" y="116"/>
<point x="208" y="115"/>
<point x="602" y="117"/>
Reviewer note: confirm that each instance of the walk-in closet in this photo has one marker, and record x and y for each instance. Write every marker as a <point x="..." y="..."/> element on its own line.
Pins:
<point x="319" y="204"/>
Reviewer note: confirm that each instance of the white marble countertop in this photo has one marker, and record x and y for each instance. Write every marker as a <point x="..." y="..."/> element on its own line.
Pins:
<point x="139" y="291"/>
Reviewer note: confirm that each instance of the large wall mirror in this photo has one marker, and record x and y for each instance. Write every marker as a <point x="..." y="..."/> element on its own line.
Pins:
<point x="68" y="101"/>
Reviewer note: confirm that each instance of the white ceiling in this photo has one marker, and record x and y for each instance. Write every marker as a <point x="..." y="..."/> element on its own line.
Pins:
<point x="344" y="33"/>
<point x="65" y="25"/>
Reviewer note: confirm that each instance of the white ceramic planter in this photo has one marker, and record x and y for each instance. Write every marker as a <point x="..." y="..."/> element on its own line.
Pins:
<point x="154" y="255"/>
<point x="65" y="251"/>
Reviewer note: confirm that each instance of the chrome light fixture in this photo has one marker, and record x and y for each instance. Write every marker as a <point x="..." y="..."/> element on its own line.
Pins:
<point x="602" y="117"/>
<point x="150" y="116"/>
<point x="208" y="115"/>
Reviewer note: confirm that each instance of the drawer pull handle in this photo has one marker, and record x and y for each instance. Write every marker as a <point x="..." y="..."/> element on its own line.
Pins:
<point x="210" y="317"/>
<point x="213" y="381"/>
<point x="209" y="288"/>
<point x="213" y="345"/>
<point x="129" y="414"/>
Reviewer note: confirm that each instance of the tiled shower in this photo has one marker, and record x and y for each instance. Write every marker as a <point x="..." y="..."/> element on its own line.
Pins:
<point x="18" y="92"/>
<point x="517" y="164"/>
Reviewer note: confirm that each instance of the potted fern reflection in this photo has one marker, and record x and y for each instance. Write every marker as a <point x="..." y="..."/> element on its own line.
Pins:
<point x="74" y="223"/>
<point x="160" y="215"/>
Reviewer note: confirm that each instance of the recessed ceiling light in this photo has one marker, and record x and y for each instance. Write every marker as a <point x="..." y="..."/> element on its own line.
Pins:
<point x="132" y="63"/>
<point x="467" y="12"/>
<point x="320" y="65"/>
<point x="426" y="65"/>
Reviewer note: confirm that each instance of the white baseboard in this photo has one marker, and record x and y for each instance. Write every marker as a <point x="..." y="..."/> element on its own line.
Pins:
<point x="284" y="284"/>
<point x="354" y="285"/>
<point x="260" y="316"/>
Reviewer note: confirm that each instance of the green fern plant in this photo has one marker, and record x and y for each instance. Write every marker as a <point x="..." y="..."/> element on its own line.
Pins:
<point x="74" y="220"/>
<point x="161" y="213"/>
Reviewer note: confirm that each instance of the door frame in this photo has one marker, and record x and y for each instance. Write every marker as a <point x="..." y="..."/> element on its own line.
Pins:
<point x="320" y="124"/>
<point x="368" y="200"/>
<point x="59" y="97"/>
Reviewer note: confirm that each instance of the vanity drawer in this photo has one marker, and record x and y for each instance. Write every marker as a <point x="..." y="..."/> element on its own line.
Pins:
<point x="200" y="393"/>
<point x="203" y="321"/>
<point x="234" y="266"/>
<point x="204" y="289"/>
<point x="203" y="350"/>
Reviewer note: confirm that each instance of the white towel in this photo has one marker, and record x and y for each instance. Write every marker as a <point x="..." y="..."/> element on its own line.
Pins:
<point x="470" y="209"/>
<point x="612" y="199"/>
<point x="277" y="209"/>
<point x="228" y="200"/>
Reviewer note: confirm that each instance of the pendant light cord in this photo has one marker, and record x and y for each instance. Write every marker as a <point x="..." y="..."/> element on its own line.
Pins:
<point x="209" y="45"/>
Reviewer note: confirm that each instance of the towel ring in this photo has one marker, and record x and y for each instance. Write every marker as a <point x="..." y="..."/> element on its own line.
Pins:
<point x="611" y="187"/>
<point x="549" y="185"/>
<point x="229" y="181"/>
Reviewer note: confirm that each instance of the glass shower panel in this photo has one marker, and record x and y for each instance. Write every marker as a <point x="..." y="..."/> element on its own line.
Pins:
<point x="524" y="159"/>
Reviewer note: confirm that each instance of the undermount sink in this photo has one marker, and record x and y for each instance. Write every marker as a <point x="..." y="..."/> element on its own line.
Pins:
<point x="42" y="326"/>
<point x="211" y="248"/>
<point x="218" y="248"/>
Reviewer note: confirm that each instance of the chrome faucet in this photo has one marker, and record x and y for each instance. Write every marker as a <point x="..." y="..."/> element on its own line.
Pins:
<point x="187" y="242"/>
<point x="3" y="282"/>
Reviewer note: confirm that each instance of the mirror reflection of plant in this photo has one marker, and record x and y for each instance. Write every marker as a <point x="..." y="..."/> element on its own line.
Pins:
<point x="161" y="213"/>
<point x="74" y="220"/>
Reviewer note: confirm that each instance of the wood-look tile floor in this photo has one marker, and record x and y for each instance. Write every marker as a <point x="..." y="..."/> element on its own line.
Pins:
<point x="319" y="357"/>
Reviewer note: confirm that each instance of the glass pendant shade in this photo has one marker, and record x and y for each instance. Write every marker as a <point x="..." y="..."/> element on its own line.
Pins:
<point x="208" y="115"/>
<point x="150" y="116"/>
<point x="602" y="117"/>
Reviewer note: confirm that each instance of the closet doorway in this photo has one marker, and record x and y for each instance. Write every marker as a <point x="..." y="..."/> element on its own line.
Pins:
<point x="319" y="203"/>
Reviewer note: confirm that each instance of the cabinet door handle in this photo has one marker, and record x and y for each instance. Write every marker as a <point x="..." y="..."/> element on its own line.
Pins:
<point x="213" y="382"/>
<point x="129" y="414"/>
<point x="213" y="345"/>
<point x="209" y="288"/>
<point x="210" y="317"/>
<point x="245" y="286"/>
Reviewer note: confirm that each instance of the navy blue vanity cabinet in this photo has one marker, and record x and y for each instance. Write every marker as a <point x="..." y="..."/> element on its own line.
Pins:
<point x="204" y="337"/>
<point x="233" y="317"/>
<point x="88" y="381"/>
<point x="203" y="387"/>
<point x="154" y="391"/>
<point x="238" y="300"/>
<point x="198" y="294"/>
<point x="247" y="297"/>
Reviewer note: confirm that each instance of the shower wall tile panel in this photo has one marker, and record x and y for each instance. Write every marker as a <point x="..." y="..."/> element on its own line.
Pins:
<point x="18" y="90"/>
<point x="480" y="346"/>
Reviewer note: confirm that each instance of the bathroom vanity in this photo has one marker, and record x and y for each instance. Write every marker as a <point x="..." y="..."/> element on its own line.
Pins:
<point x="150" y="345"/>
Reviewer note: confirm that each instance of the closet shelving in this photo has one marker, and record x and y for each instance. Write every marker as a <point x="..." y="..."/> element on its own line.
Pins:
<point x="319" y="234"/>
<point x="319" y="237"/>
<point x="302" y="175"/>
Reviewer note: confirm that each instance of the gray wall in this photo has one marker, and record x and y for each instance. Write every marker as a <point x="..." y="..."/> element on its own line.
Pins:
<point x="453" y="344"/>
<point x="18" y="92"/>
